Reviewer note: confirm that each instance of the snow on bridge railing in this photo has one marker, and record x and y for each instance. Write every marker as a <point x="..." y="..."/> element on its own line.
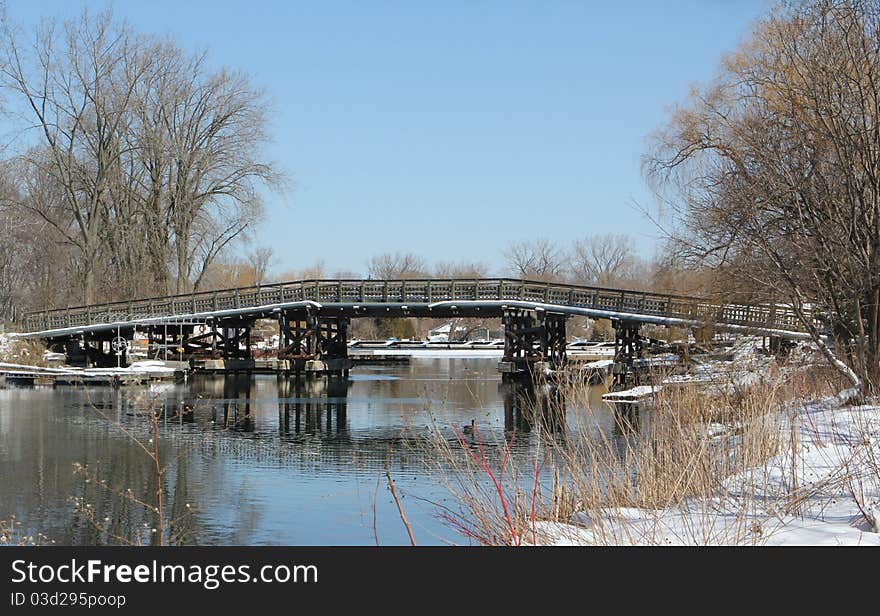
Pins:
<point x="424" y="291"/>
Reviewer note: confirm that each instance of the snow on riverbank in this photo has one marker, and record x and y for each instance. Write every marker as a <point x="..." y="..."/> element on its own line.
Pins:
<point x="437" y="353"/>
<point x="137" y="367"/>
<point x="835" y="501"/>
<point x="15" y="350"/>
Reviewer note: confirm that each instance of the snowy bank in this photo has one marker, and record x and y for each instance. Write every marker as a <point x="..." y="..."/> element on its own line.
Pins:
<point x="822" y="490"/>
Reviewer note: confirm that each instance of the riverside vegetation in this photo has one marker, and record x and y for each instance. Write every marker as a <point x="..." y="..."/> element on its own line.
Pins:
<point x="703" y="465"/>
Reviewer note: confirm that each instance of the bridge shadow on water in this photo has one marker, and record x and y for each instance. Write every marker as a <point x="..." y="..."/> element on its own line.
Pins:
<point x="238" y="403"/>
<point x="528" y="407"/>
<point x="234" y="402"/>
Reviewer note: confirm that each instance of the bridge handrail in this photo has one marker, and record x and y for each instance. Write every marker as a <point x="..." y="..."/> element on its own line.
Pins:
<point x="421" y="290"/>
<point x="270" y="285"/>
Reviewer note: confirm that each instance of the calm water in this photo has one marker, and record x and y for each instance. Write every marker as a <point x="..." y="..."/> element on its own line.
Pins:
<point x="262" y="461"/>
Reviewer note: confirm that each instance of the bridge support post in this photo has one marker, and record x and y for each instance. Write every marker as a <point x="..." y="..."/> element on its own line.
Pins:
<point x="227" y="340"/>
<point x="327" y="346"/>
<point x="96" y="350"/>
<point x="312" y="344"/>
<point x="225" y="346"/>
<point x="291" y="342"/>
<point x="151" y="343"/>
<point x="780" y="347"/>
<point x="165" y="341"/>
<point x="234" y="339"/>
<point x="75" y="352"/>
<point x="534" y="342"/>
<point x="628" y="345"/>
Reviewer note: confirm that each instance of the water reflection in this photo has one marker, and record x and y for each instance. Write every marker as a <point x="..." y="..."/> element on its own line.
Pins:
<point x="626" y="419"/>
<point x="308" y="401"/>
<point x="243" y="455"/>
<point x="228" y="397"/>
<point x="527" y="405"/>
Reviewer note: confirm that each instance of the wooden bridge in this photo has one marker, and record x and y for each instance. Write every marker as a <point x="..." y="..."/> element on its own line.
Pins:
<point x="313" y="316"/>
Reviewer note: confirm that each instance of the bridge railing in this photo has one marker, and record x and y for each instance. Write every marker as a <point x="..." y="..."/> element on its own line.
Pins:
<point x="419" y="291"/>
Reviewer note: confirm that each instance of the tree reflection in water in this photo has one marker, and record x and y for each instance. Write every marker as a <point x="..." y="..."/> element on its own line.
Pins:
<point x="242" y="452"/>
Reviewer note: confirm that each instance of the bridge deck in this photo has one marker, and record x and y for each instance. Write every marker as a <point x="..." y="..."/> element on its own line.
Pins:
<point x="435" y="298"/>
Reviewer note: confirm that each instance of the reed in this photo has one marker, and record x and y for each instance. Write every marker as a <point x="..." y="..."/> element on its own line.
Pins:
<point x="689" y="468"/>
<point x="23" y="352"/>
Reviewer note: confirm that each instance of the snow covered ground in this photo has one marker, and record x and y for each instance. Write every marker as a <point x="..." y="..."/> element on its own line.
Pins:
<point x="438" y="353"/>
<point x="833" y="498"/>
<point x="138" y="367"/>
<point x="636" y="393"/>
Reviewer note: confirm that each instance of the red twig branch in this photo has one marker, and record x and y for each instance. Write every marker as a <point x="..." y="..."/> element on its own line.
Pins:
<point x="483" y="463"/>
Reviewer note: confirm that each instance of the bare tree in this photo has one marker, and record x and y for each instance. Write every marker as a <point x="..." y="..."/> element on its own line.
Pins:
<point x="398" y="265"/>
<point x="461" y="269"/>
<point x="215" y="128"/>
<point x="75" y="89"/>
<point x="602" y="259"/>
<point x="346" y="274"/>
<point x="772" y="173"/>
<point x="143" y="160"/>
<point x="315" y="271"/>
<point x="260" y="259"/>
<point x="539" y="259"/>
<point x="12" y="270"/>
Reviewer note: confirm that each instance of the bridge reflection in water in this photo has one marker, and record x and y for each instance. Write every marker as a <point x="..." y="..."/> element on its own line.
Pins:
<point x="312" y="404"/>
<point x="528" y="406"/>
<point x="245" y="454"/>
<point x="320" y="407"/>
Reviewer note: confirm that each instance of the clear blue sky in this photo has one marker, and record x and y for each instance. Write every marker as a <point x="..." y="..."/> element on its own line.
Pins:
<point x="450" y="128"/>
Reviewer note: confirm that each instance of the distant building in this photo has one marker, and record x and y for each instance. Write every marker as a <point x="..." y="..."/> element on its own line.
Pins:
<point x="441" y="333"/>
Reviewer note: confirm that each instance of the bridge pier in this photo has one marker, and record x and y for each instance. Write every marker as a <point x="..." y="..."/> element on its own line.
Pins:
<point x="534" y="342"/>
<point x="201" y="345"/>
<point x="75" y="349"/>
<point x="99" y="351"/>
<point x="167" y="341"/>
<point x="226" y="346"/>
<point x="313" y="345"/>
<point x="779" y="347"/>
<point x="224" y="340"/>
<point x="628" y="346"/>
<point x="527" y="403"/>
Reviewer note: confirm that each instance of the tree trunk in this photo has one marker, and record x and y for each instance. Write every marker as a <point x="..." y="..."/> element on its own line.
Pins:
<point x="88" y="281"/>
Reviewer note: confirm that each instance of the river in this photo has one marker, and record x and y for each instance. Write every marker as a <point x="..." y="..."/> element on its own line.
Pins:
<point x="258" y="461"/>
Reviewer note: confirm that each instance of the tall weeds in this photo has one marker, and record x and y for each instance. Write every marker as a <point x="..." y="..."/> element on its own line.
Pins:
<point x="685" y="468"/>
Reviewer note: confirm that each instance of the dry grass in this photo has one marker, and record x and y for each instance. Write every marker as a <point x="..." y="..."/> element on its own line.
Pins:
<point x="494" y="502"/>
<point x="698" y="451"/>
<point x="852" y="443"/>
<point x="686" y="446"/>
<point x="862" y="478"/>
<point x="25" y="352"/>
